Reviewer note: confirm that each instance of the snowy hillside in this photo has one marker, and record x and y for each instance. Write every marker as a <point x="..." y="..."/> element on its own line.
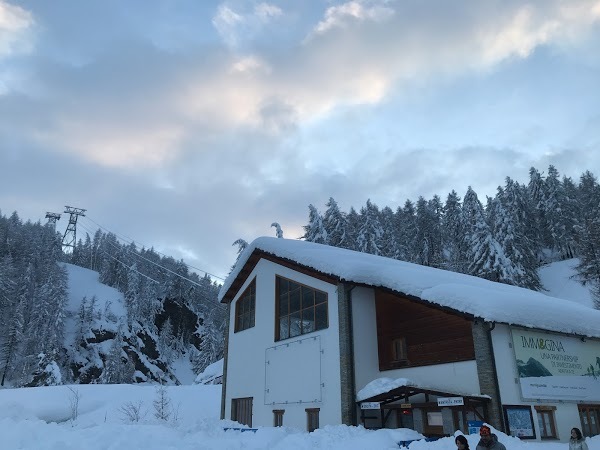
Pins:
<point x="559" y="279"/>
<point x="103" y="308"/>
<point x="85" y="283"/>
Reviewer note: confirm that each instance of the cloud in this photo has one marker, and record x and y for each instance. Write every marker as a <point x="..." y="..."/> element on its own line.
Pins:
<point x="15" y="26"/>
<point x="237" y="26"/>
<point x="343" y="15"/>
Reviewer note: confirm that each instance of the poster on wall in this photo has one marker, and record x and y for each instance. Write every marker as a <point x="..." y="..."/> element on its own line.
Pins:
<point x="556" y="367"/>
<point x="519" y="420"/>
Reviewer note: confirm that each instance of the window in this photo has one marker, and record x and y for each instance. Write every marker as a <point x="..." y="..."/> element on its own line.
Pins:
<point x="312" y="419"/>
<point x="399" y="351"/>
<point x="546" y="423"/>
<point x="300" y="309"/>
<point x="434" y="422"/>
<point x="245" y="307"/>
<point x="241" y="410"/>
<point x="278" y="417"/>
<point x="590" y="419"/>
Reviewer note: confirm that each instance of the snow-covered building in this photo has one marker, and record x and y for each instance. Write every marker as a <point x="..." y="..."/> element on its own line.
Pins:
<point x="320" y="335"/>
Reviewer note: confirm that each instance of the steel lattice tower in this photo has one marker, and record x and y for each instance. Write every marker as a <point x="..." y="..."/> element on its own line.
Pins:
<point x="52" y="218"/>
<point x="70" y="237"/>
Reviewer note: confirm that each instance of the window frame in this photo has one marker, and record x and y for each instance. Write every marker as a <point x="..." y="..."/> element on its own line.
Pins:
<point x="312" y="419"/>
<point x="543" y="412"/>
<point x="527" y="411"/>
<point x="278" y="417"/>
<point x="246" y="306"/>
<point x="299" y="313"/>
<point x="241" y="410"/>
<point x="399" y="351"/>
<point x="586" y="413"/>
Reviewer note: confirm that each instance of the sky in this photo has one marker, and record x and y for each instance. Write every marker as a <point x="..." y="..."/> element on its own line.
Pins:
<point x="187" y="125"/>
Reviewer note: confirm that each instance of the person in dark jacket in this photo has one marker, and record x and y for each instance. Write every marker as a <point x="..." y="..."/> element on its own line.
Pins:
<point x="577" y="441"/>
<point x="488" y="440"/>
<point x="461" y="442"/>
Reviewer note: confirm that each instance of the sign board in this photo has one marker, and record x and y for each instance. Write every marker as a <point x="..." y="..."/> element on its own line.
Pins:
<point x="474" y="426"/>
<point x="557" y="367"/>
<point x="405" y="405"/>
<point x="450" y="401"/>
<point x="370" y="405"/>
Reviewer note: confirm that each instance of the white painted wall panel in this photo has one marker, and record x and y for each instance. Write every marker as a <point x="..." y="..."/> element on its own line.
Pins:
<point x="247" y="374"/>
<point x="302" y="359"/>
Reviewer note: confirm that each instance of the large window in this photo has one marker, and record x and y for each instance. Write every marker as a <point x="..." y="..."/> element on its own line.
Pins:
<point x="245" y="307"/>
<point x="300" y="309"/>
<point x="241" y="410"/>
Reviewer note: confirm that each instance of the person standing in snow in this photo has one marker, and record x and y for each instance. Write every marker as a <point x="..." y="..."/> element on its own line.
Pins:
<point x="461" y="442"/>
<point x="577" y="441"/>
<point x="488" y="440"/>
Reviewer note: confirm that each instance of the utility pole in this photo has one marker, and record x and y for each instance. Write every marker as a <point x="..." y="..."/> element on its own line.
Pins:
<point x="52" y="218"/>
<point x="70" y="237"/>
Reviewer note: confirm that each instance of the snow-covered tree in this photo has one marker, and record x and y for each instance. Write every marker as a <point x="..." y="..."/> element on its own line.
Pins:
<point x="370" y="232"/>
<point x="278" y="230"/>
<point x="484" y="254"/>
<point x="315" y="230"/>
<point x="453" y="234"/>
<point x="335" y="224"/>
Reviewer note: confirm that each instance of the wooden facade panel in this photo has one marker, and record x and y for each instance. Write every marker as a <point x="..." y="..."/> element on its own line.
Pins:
<point x="433" y="336"/>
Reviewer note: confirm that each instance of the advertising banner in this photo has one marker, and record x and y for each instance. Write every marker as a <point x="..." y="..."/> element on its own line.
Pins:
<point x="556" y="367"/>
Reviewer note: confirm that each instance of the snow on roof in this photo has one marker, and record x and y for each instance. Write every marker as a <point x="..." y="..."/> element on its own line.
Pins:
<point x="493" y="302"/>
<point x="383" y="385"/>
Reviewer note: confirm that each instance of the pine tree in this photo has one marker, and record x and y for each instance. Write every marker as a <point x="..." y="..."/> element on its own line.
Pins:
<point x="510" y="230"/>
<point x="406" y="232"/>
<point x="315" y="230"/>
<point x="452" y="235"/>
<point x="389" y="247"/>
<point x="484" y="253"/>
<point x="335" y="224"/>
<point x="370" y="231"/>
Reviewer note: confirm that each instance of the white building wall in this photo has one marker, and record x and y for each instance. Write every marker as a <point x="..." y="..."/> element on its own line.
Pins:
<point x="566" y="414"/>
<point x="459" y="376"/>
<point x="249" y="376"/>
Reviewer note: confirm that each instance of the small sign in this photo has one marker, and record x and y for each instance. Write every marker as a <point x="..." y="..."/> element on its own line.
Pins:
<point x="405" y="405"/>
<point x="370" y="405"/>
<point x="450" y="401"/>
<point x="474" y="426"/>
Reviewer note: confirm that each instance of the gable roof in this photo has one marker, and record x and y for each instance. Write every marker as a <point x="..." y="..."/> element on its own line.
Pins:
<point x="488" y="300"/>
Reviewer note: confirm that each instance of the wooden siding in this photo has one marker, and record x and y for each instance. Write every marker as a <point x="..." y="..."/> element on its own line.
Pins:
<point x="432" y="336"/>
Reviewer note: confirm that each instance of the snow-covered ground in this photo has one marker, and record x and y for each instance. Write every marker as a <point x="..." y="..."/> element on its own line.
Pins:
<point x="42" y="418"/>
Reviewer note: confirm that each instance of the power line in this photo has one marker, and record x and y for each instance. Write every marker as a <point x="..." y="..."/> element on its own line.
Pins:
<point x="150" y="261"/>
<point x="129" y="240"/>
<point x="130" y="267"/>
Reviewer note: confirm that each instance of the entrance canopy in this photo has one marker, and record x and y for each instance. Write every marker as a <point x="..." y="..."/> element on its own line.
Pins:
<point x="387" y="394"/>
<point x="388" y="390"/>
